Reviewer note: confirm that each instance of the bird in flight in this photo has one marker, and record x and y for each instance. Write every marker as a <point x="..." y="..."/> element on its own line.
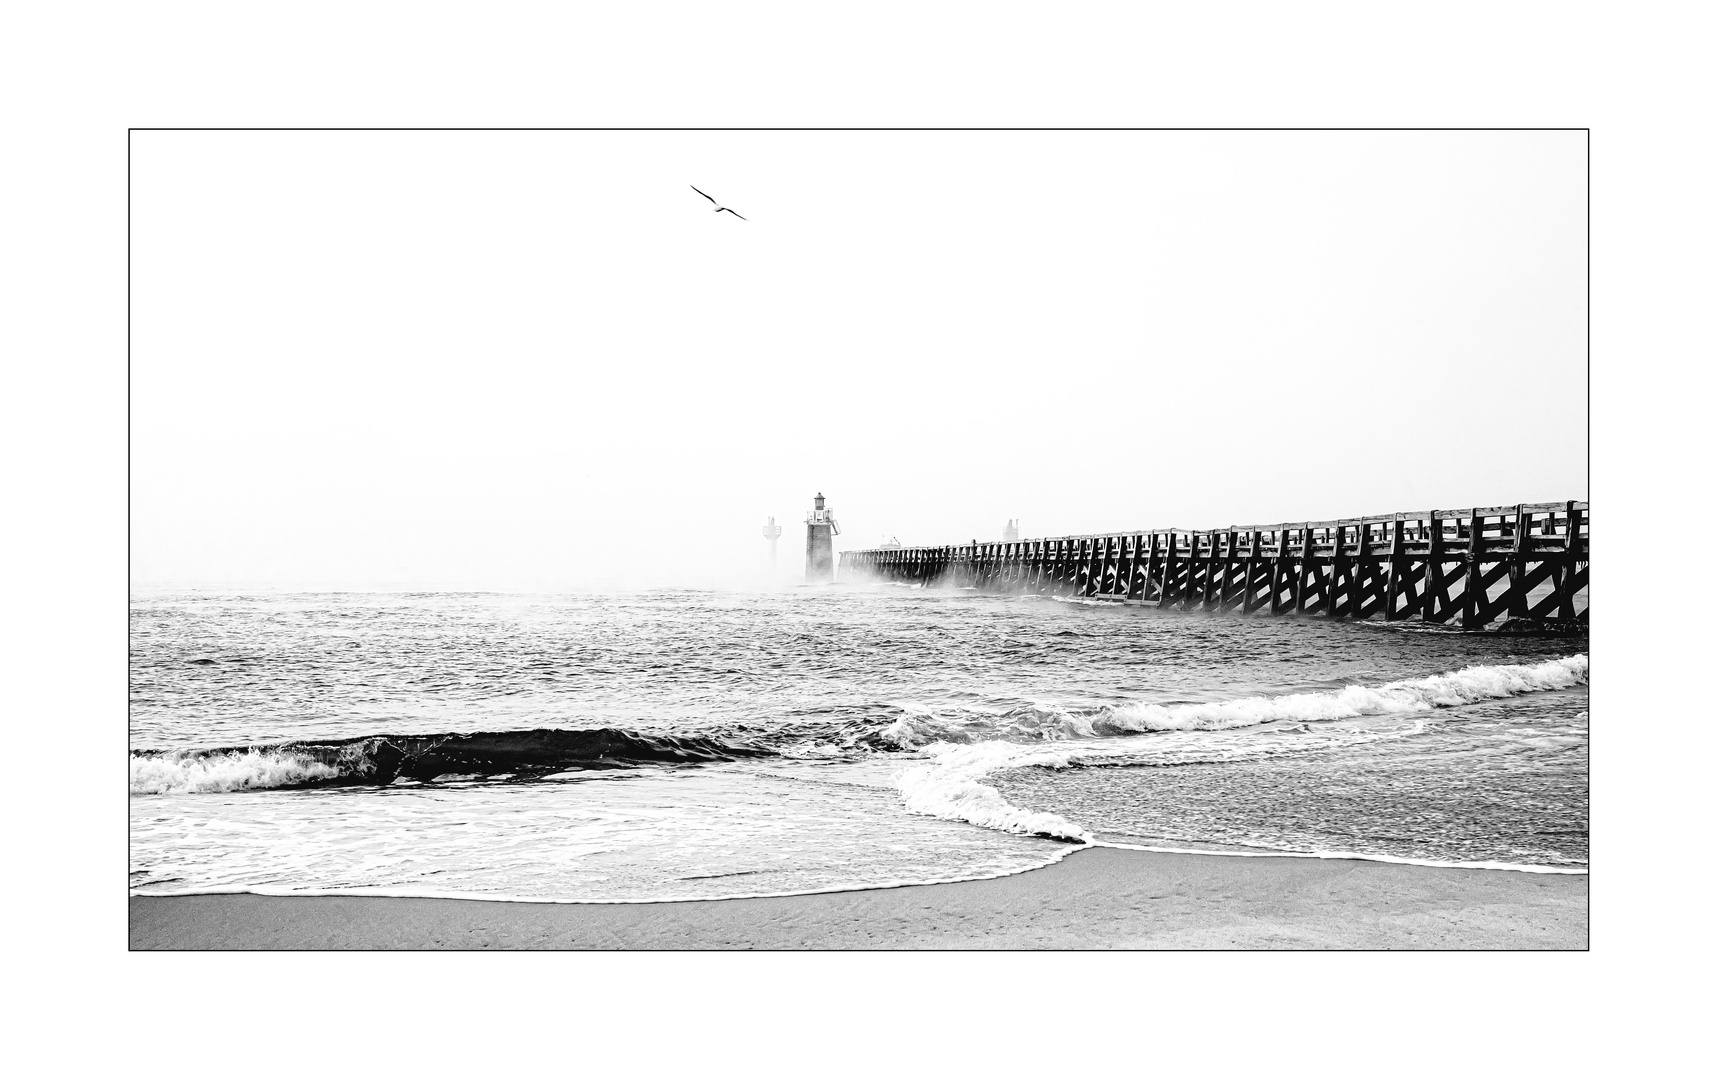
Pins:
<point x="719" y="207"/>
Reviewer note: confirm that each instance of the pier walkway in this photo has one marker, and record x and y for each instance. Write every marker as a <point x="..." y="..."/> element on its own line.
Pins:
<point x="1471" y="568"/>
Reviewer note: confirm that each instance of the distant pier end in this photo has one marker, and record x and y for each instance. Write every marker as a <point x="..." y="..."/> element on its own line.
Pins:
<point x="820" y="534"/>
<point x="1524" y="564"/>
<point x="772" y="533"/>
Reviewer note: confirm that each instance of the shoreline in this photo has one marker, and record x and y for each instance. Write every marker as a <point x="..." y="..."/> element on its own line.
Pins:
<point x="1093" y="898"/>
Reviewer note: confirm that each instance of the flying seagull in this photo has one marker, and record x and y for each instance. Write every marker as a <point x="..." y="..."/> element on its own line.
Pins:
<point x="719" y="207"/>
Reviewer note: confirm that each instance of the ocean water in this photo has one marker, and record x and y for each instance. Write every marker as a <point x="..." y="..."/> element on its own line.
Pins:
<point x="679" y="744"/>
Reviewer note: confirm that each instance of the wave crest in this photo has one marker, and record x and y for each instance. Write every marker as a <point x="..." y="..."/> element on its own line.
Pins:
<point x="1464" y="687"/>
<point x="1040" y="722"/>
<point x="185" y="772"/>
<point x="380" y="759"/>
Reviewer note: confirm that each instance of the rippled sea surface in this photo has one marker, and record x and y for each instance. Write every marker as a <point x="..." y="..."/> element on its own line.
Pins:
<point x="651" y="745"/>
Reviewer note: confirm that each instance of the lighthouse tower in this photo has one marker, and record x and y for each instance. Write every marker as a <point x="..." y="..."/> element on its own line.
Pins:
<point x="820" y="533"/>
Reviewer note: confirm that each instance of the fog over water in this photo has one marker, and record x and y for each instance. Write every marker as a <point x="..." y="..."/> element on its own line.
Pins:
<point x="538" y="360"/>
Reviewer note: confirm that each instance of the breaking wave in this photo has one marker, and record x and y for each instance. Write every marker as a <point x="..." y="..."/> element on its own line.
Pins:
<point x="963" y="754"/>
<point x="380" y="759"/>
<point x="1047" y="723"/>
<point x="949" y="787"/>
<point x="230" y="770"/>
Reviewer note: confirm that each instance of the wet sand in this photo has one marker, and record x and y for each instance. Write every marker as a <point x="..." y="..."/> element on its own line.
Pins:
<point x="1100" y="898"/>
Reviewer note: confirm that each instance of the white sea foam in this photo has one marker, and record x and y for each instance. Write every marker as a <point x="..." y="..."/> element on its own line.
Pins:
<point x="919" y="727"/>
<point x="446" y="894"/>
<point x="1478" y="683"/>
<point x="1524" y="868"/>
<point x="948" y="787"/>
<point x="234" y="770"/>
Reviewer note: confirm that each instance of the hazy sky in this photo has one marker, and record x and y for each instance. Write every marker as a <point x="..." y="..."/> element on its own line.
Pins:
<point x="539" y="359"/>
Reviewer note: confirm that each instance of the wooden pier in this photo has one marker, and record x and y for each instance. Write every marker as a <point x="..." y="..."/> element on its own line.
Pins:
<point x="1471" y="568"/>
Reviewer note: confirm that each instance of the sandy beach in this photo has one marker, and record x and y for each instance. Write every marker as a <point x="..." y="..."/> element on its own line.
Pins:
<point x="1099" y="898"/>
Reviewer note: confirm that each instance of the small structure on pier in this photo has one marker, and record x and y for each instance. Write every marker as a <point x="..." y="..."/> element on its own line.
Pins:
<point x="1011" y="531"/>
<point x="772" y="533"/>
<point x="820" y="534"/>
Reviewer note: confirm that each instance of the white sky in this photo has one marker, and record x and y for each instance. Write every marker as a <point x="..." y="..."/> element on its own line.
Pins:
<point x="539" y="359"/>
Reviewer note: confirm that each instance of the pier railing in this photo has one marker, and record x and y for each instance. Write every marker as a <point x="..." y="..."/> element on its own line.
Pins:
<point x="1472" y="567"/>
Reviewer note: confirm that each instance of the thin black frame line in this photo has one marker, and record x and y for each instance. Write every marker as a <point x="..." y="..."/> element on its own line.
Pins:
<point x="853" y="129"/>
<point x="129" y="583"/>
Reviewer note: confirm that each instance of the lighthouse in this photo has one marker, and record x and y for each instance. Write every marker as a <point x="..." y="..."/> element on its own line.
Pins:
<point x="820" y="533"/>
